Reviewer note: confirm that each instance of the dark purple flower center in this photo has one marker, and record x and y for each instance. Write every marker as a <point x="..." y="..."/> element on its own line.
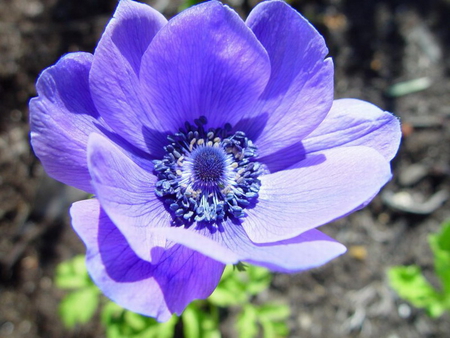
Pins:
<point x="207" y="175"/>
<point x="209" y="165"/>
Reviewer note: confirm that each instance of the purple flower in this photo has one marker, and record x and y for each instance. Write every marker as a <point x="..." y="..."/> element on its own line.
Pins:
<point x="206" y="141"/>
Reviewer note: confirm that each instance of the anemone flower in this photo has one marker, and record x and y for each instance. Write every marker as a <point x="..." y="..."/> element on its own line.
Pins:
<point x="206" y="141"/>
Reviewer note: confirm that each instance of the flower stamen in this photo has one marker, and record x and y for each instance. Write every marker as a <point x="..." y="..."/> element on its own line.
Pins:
<point x="207" y="175"/>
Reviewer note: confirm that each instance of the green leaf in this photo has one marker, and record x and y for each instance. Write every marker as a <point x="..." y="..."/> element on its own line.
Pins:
<point x="247" y="326"/>
<point x="113" y="331"/>
<point x="227" y="273"/>
<point x="135" y="321"/>
<point x="191" y="322"/>
<point x="274" y="329"/>
<point x="231" y="290"/>
<point x="157" y="330"/>
<point x="274" y="312"/>
<point x="111" y="313"/>
<point x="188" y="3"/>
<point x="72" y="274"/>
<point x="200" y="323"/>
<point x="239" y="266"/>
<point x="268" y="328"/>
<point x="259" y="279"/>
<point x="444" y="237"/>
<point x="273" y="319"/>
<point x="228" y="294"/>
<point x="440" y="245"/>
<point x="121" y="323"/>
<point x="79" y="306"/>
<point x="237" y="287"/>
<point x="412" y="286"/>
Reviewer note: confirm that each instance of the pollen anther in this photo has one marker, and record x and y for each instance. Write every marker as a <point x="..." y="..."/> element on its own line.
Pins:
<point x="207" y="176"/>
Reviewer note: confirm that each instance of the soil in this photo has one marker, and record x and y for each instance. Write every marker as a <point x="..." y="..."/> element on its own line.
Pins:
<point x="374" y="44"/>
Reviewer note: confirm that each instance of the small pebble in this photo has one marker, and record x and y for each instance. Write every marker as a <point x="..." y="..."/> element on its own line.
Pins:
<point x="404" y="310"/>
<point x="412" y="174"/>
<point x="358" y="252"/>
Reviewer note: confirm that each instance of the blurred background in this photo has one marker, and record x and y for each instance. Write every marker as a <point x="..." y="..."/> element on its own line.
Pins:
<point x="394" y="53"/>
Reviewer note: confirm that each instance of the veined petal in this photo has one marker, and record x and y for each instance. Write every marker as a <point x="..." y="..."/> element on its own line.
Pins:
<point x="230" y="244"/>
<point x="319" y="189"/>
<point x="353" y="122"/>
<point x="126" y="192"/>
<point x="204" y="62"/>
<point x="300" y="90"/>
<point x="203" y="239"/>
<point x="156" y="290"/>
<point x="350" y="122"/>
<point x="62" y="117"/>
<point x="114" y="78"/>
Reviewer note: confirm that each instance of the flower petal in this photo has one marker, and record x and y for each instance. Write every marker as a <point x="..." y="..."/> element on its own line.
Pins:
<point x="306" y="251"/>
<point x="300" y="90"/>
<point x="353" y="122"/>
<point x="350" y="122"/>
<point x="125" y="191"/>
<point x="62" y="117"/>
<point x="114" y="76"/>
<point x="321" y="188"/>
<point x="205" y="61"/>
<point x="156" y="290"/>
<point x="231" y="245"/>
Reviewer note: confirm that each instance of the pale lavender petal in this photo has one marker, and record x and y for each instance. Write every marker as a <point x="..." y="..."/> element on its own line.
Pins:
<point x="205" y="240"/>
<point x="114" y="79"/>
<point x="309" y="250"/>
<point x="350" y="122"/>
<point x="205" y="61"/>
<point x="62" y="117"/>
<point x="300" y="90"/>
<point x="353" y="122"/>
<point x="321" y="188"/>
<point x="231" y="244"/>
<point x="156" y="290"/>
<point x="126" y="193"/>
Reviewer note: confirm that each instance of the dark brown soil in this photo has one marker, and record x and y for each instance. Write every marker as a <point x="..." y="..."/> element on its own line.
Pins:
<point x="375" y="44"/>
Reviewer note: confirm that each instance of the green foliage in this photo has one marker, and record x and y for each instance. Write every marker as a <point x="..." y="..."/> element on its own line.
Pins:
<point x="411" y="285"/>
<point x="270" y="318"/>
<point x="72" y="274"/>
<point x="78" y="306"/>
<point x="239" y="266"/>
<point x="440" y="245"/>
<point x="188" y="3"/>
<point x="237" y="288"/>
<point x="201" y="321"/>
<point x="120" y="323"/>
